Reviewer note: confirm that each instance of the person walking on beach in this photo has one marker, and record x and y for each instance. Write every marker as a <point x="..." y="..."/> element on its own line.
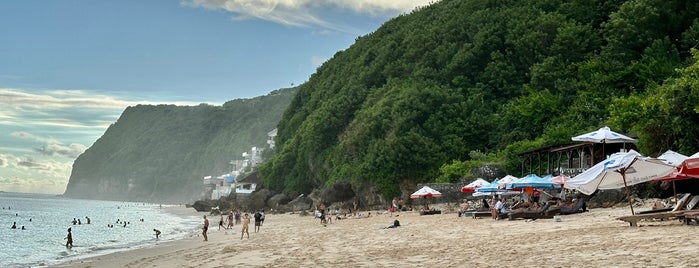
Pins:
<point x="258" y="218"/>
<point x="69" y="239"/>
<point x="262" y="217"/>
<point x="246" y="223"/>
<point x="157" y="233"/>
<point x="230" y="220"/>
<point x="206" y="228"/>
<point x="220" y="223"/>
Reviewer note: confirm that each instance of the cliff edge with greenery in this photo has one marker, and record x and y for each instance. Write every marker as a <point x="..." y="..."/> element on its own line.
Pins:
<point x="161" y="153"/>
<point x="464" y="78"/>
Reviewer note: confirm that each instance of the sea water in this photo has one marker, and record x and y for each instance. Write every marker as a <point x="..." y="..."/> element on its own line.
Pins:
<point x="46" y="220"/>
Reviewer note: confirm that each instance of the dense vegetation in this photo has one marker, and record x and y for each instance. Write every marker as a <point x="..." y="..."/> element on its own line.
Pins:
<point x="163" y="152"/>
<point x="482" y="80"/>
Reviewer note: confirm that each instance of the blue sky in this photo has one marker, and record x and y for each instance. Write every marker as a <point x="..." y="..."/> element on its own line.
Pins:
<point x="69" y="68"/>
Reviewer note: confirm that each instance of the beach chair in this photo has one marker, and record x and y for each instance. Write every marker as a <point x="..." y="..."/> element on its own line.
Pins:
<point x="693" y="202"/>
<point x="541" y="213"/>
<point x="677" y="212"/>
<point x="576" y="208"/>
<point x="680" y="214"/>
<point x="673" y="208"/>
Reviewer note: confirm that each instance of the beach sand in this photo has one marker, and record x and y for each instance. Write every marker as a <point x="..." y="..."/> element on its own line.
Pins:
<point x="591" y="239"/>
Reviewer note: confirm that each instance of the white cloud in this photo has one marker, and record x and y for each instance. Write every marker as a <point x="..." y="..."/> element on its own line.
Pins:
<point x="57" y="99"/>
<point x="49" y="129"/>
<point x="305" y="13"/>
<point x="52" y="147"/>
<point x="32" y="184"/>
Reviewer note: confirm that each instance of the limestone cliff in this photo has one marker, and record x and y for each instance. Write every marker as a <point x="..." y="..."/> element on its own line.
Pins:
<point x="161" y="153"/>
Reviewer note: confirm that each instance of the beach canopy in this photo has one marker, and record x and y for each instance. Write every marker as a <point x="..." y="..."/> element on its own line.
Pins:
<point x="685" y="169"/>
<point x="673" y="158"/>
<point x="499" y="192"/>
<point x="560" y="179"/>
<point x="620" y="170"/>
<point x="533" y="181"/>
<point x="603" y="135"/>
<point x="507" y="180"/>
<point x="490" y="188"/>
<point x="426" y="192"/>
<point x="471" y="187"/>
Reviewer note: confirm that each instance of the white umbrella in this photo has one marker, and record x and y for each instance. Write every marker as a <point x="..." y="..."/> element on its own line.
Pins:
<point x="673" y="158"/>
<point x="617" y="171"/>
<point x="471" y="187"/>
<point x="676" y="159"/>
<point x="603" y="135"/>
<point x="426" y="192"/>
<point x="507" y="180"/>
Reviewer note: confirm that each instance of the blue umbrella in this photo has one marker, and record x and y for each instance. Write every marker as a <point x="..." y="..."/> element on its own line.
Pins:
<point x="493" y="187"/>
<point x="534" y="181"/>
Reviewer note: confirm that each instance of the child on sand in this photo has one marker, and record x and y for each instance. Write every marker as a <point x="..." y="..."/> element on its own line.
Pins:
<point x="246" y="222"/>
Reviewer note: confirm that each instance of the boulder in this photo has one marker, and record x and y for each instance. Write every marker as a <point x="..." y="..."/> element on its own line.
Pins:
<point x="300" y="203"/>
<point x="278" y="201"/>
<point x="607" y="198"/>
<point x="204" y="205"/>
<point x="488" y="172"/>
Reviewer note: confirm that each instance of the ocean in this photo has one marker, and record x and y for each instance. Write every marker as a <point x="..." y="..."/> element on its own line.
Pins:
<point x="46" y="219"/>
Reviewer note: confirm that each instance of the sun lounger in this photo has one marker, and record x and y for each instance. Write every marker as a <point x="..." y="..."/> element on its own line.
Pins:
<point x="476" y="213"/>
<point x="673" y="208"/>
<point x="430" y="212"/>
<point x="693" y="202"/>
<point x="691" y="217"/>
<point x="541" y="213"/>
<point x="576" y="208"/>
<point x="634" y="219"/>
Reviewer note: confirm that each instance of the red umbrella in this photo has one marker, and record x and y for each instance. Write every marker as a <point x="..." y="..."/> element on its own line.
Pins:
<point x="688" y="168"/>
<point x="471" y="187"/>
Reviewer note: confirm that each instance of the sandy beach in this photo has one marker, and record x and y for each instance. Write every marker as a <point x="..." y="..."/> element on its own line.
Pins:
<point x="592" y="239"/>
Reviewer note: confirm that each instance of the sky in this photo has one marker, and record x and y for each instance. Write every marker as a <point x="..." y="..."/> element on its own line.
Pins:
<point x="69" y="68"/>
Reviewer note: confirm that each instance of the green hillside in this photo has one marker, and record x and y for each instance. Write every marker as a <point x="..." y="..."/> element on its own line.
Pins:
<point x="161" y="153"/>
<point x="477" y="80"/>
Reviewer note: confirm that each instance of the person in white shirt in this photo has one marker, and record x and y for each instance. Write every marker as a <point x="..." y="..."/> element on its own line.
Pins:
<point x="496" y="208"/>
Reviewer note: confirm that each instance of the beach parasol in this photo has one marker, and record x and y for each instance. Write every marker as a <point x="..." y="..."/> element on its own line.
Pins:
<point x="533" y="181"/>
<point x="471" y="187"/>
<point x="507" y="180"/>
<point x="603" y="135"/>
<point x="426" y="192"/>
<point x="685" y="167"/>
<point x="619" y="171"/>
<point x="560" y="179"/>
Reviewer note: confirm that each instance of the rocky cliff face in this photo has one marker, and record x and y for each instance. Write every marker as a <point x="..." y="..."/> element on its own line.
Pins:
<point x="161" y="153"/>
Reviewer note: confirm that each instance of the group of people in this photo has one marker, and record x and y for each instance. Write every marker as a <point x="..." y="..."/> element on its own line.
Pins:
<point x="233" y="218"/>
<point x="259" y="218"/>
<point x="14" y="226"/>
<point x="78" y="222"/>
